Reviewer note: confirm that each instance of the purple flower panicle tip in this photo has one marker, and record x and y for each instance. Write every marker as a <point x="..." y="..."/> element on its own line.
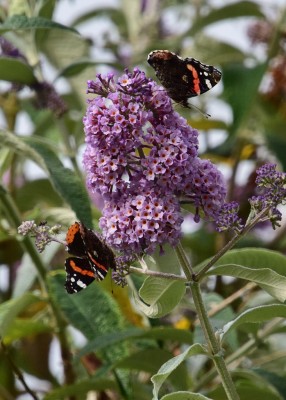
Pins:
<point x="142" y="157"/>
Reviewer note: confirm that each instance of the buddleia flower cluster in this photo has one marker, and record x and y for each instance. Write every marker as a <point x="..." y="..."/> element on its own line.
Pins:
<point x="271" y="188"/>
<point x="43" y="233"/>
<point x="271" y="185"/>
<point x="142" y="157"/>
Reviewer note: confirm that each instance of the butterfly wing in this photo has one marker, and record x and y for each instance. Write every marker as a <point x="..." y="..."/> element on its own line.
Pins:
<point x="80" y="274"/>
<point x="100" y="255"/>
<point x="75" y="241"/>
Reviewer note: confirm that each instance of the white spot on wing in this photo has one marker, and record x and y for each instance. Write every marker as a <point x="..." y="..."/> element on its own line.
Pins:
<point x="81" y="284"/>
<point x="100" y="275"/>
<point x="208" y="83"/>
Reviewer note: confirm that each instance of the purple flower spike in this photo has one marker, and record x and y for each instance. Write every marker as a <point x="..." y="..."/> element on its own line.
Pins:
<point x="271" y="185"/>
<point x="142" y="157"/>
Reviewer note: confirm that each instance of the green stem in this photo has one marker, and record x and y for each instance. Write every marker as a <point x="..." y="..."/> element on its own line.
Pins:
<point x="231" y="243"/>
<point x="15" y="218"/>
<point x="213" y="344"/>
<point x="69" y="149"/>
<point x="241" y="351"/>
<point x="184" y="262"/>
<point x="13" y="214"/>
<point x="18" y="372"/>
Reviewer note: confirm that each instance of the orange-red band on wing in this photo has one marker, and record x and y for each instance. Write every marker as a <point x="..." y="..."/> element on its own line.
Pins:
<point x="80" y="270"/>
<point x="100" y="266"/>
<point x="196" y="80"/>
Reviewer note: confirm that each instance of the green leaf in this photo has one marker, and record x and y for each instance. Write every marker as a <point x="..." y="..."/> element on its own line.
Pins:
<point x="213" y="52"/>
<point x="267" y="279"/>
<point x="150" y="360"/>
<point x="184" y="396"/>
<point x="62" y="48"/>
<point x="255" y="315"/>
<point x="43" y="194"/>
<point x="117" y="16"/>
<point x="17" y="144"/>
<point x="206" y="124"/>
<point x="275" y="380"/>
<point x="75" y="68"/>
<point x="47" y="8"/>
<point x="249" y="386"/>
<point x="16" y="70"/>
<point x="21" y="328"/>
<point x="81" y="388"/>
<point x="256" y="258"/>
<point x="168" y="333"/>
<point x="65" y="181"/>
<point x="11" y="308"/>
<point x="211" y="300"/>
<point x="107" y="340"/>
<point x="160" y="333"/>
<point x="249" y="390"/>
<point x="230" y="11"/>
<point x="167" y="368"/>
<point x="27" y="273"/>
<point x="241" y="86"/>
<point x="22" y="22"/>
<point x="92" y="311"/>
<point x="159" y="296"/>
<point x="253" y="258"/>
<point x="267" y="268"/>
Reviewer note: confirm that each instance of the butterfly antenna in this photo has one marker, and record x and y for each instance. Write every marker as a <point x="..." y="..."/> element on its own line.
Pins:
<point x="204" y="114"/>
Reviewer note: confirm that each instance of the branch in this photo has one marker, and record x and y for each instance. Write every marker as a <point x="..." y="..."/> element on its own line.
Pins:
<point x="18" y="373"/>
<point x="163" y="275"/>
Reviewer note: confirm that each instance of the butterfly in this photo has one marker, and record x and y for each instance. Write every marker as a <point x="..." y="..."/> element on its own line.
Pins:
<point x="91" y="258"/>
<point x="183" y="78"/>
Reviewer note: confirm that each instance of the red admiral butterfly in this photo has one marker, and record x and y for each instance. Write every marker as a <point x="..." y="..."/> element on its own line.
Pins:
<point x="183" y="78"/>
<point x="92" y="261"/>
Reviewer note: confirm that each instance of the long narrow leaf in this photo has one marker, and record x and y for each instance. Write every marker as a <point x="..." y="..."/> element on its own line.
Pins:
<point x="162" y="333"/>
<point x="65" y="181"/>
<point x="10" y="309"/>
<point x="172" y="364"/>
<point x="184" y="396"/>
<point x="16" y="144"/>
<point x="22" y="22"/>
<point x="269" y="280"/>
<point x="17" y="71"/>
<point x="94" y="312"/>
<point x="254" y="315"/>
<point x="233" y="10"/>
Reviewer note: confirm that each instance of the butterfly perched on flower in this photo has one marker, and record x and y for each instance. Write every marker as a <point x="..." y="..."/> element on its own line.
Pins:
<point x="91" y="259"/>
<point x="183" y="78"/>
